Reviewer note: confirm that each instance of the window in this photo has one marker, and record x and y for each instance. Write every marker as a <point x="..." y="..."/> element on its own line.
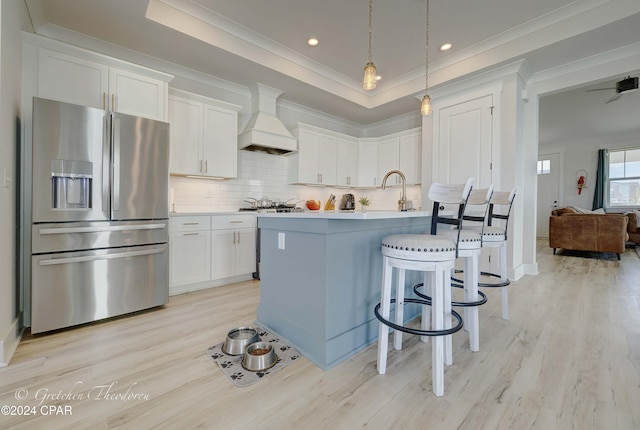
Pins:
<point x="544" y="167"/>
<point x="623" y="178"/>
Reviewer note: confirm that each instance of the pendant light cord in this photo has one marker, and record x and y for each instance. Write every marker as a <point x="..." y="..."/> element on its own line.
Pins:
<point x="426" y="55"/>
<point x="370" y="14"/>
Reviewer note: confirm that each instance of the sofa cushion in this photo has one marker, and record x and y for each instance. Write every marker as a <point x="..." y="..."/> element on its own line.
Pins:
<point x="562" y="211"/>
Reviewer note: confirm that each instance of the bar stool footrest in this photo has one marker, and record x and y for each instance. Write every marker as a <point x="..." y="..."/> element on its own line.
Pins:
<point x="482" y="301"/>
<point x="486" y="284"/>
<point x="415" y="331"/>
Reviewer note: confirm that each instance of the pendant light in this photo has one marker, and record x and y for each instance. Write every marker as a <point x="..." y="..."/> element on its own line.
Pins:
<point x="425" y="109"/>
<point x="369" y="81"/>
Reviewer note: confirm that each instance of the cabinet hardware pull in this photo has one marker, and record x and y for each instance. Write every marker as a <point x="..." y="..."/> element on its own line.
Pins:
<point x="89" y="229"/>
<point x="104" y="100"/>
<point x="236" y="222"/>
<point x="238" y="238"/>
<point x="190" y="223"/>
<point x="206" y="166"/>
<point x="190" y="234"/>
<point x="82" y="259"/>
<point x="234" y="237"/>
<point x="113" y="102"/>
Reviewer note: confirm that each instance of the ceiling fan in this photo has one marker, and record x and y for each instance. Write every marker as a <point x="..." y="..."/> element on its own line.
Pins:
<point x="625" y="86"/>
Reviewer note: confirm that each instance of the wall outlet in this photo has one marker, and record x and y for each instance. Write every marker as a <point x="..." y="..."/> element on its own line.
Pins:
<point x="280" y="240"/>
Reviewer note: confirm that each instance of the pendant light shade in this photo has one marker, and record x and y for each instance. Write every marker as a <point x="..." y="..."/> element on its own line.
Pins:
<point x="425" y="109"/>
<point x="369" y="81"/>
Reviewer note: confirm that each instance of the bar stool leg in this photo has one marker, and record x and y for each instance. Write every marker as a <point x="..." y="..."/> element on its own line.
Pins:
<point x="448" y="340"/>
<point x="503" y="278"/>
<point x="385" y="305"/>
<point x="397" y="334"/>
<point x="471" y="271"/>
<point x="428" y="280"/>
<point x="437" y="315"/>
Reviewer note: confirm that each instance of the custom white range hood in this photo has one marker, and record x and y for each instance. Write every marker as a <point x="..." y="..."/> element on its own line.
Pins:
<point x="265" y="132"/>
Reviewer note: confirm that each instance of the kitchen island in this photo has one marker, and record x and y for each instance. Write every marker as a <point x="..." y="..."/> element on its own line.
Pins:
<point x="320" y="278"/>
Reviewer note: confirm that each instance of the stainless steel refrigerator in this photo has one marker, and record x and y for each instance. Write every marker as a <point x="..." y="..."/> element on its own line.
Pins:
<point x="99" y="209"/>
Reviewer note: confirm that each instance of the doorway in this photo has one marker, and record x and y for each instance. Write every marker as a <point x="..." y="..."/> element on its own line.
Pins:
<point x="548" y="190"/>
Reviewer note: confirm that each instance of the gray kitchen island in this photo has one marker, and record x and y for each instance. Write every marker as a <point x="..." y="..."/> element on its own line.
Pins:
<point x="320" y="278"/>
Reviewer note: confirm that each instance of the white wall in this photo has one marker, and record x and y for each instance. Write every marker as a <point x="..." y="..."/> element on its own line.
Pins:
<point x="10" y="84"/>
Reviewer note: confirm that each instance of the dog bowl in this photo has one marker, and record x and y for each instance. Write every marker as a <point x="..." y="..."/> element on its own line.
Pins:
<point x="238" y="339"/>
<point x="259" y="356"/>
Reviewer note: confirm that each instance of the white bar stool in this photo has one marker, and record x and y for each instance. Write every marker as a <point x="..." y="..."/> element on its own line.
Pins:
<point x="469" y="249"/>
<point x="496" y="237"/>
<point x="435" y="256"/>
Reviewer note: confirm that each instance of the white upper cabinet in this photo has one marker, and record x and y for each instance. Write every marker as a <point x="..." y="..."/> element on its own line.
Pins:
<point x="186" y="118"/>
<point x="81" y="79"/>
<point x="347" y="163"/>
<point x="410" y="157"/>
<point x="136" y="94"/>
<point x="388" y="159"/>
<point x="400" y="151"/>
<point x="71" y="79"/>
<point x="368" y="163"/>
<point x="329" y="158"/>
<point x="220" y="144"/>
<point x="204" y="136"/>
<point x="315" y="161"/>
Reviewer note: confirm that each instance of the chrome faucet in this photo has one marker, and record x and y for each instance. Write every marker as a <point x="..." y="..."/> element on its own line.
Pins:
<point x="402" y="203"/>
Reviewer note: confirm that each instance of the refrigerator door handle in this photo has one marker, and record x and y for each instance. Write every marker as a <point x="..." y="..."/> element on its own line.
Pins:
<point x="69" y="260"/>
<point x="106" y="156"/>
<point x="65" y="230"/>
<point x="115" y="205"/>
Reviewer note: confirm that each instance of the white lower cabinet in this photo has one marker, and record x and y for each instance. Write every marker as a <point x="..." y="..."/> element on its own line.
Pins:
<point x="233" y="252"/>
<point x="211" y="250"/>
<point x="189" y="250"/>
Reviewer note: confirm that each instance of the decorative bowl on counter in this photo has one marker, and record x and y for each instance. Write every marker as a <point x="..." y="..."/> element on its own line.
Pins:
<point x="259" y="356"/>
<point x="238" y="339"/>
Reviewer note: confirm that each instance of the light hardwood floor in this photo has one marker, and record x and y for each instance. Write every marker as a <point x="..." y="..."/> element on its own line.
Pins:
<point x="568" y="358"/>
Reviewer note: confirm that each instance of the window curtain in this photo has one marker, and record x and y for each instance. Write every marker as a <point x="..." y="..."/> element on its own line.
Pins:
<point x="598" y="194"/>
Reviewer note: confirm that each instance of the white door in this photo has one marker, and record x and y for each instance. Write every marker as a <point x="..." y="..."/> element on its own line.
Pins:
<point x="466" y="131"/>
<point x="548" y="190"/>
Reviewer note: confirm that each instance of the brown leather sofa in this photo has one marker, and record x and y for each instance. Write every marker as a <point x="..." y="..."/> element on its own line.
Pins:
<point x="633" y="228"/>
<point x="588" y="232"/>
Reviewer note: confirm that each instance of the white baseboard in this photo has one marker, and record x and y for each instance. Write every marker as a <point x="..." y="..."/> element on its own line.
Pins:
<point x="9" y="343"/>
<point x="181" y="289"/>
<point x="523" y="269"/>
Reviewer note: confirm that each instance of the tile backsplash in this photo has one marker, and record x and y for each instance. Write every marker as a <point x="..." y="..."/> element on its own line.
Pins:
<point x="264" y="175"/>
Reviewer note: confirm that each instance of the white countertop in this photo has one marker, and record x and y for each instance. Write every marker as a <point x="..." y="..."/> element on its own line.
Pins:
<point x="175" y="214"/>
<point x="357" y="215"/>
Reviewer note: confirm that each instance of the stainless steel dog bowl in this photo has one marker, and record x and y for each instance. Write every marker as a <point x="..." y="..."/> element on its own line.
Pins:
<point x="259" y="356"/>
<point x="238" y="339"/>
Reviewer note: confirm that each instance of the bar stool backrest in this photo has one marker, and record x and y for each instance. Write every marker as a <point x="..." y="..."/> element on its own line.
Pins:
<point x="504" y="199"/>
<point x="479" y="199"/>
<point x="456" y="194"/>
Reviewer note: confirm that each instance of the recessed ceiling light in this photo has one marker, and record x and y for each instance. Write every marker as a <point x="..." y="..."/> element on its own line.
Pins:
<point x="446" y="46"/>
<point x="312" y="42"/>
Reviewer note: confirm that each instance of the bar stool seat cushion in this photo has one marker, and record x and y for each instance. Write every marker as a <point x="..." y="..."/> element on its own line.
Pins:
<point x="491" y="233"/>
<point x="469" y="239"/>
<point x="419" y="247"/>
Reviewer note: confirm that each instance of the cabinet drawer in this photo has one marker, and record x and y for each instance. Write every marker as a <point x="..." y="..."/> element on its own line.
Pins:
<point x="224" y="222"/>
<point x="190" y="223"/>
